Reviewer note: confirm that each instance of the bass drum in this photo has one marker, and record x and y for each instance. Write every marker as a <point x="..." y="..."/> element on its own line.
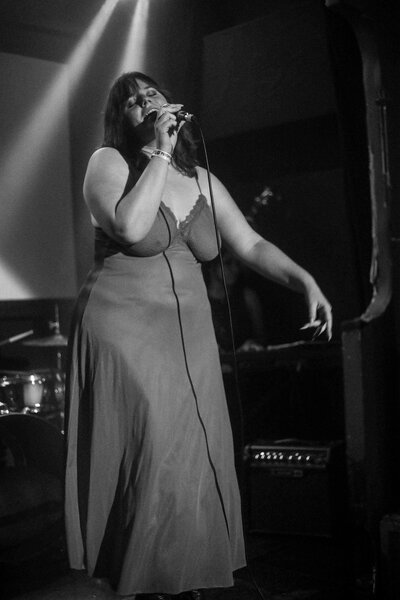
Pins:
<point x="31" y="487"/>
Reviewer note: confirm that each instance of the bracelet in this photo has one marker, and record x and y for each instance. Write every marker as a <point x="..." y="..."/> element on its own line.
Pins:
<point x="162" y="154"/>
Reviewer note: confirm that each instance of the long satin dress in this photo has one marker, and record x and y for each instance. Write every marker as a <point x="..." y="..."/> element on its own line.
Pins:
<point x="152" y="500"/>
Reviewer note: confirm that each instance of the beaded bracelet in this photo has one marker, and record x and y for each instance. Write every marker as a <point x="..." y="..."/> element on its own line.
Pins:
<point x="162" y="154"/>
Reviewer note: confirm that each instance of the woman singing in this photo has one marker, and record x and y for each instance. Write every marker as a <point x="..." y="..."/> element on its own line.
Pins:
<point x="152" y="501"/>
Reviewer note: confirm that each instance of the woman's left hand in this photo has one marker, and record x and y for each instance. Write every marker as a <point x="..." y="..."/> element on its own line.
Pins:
<point x="319" y="313"/>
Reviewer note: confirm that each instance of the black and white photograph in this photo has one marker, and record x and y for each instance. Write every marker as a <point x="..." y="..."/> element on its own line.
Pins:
<point x="200" y="300"/>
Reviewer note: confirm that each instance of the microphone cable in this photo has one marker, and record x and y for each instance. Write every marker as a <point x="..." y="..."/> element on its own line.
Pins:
<point x="193" y="119"/>
<point x="228" y="304"/>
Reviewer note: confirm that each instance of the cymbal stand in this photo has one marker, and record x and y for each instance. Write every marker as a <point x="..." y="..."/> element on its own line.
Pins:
<point x="55" y="328"/>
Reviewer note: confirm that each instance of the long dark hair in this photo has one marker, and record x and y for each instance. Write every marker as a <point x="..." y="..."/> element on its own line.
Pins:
<point x="119" y="133"/>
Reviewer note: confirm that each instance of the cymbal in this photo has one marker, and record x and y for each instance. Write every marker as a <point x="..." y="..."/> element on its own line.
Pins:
<point x="56" y="340"/>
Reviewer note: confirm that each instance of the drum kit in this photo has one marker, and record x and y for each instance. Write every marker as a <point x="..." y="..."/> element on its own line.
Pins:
<point x="39" y="392"/>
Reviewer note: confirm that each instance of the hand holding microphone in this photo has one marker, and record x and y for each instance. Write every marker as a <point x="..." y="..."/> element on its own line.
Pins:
<point x="182" y="115"/>
<point x="168" y="121"/>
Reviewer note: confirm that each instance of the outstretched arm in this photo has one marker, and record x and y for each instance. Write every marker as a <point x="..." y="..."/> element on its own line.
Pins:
<point x="268" y="260"/>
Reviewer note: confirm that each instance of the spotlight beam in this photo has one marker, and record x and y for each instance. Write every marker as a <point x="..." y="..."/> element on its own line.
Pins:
<point x="25" y="158"/>
<point x="133" y="58"/>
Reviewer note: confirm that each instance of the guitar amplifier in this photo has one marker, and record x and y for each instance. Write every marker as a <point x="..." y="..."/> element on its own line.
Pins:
<point x="295" y="487"/>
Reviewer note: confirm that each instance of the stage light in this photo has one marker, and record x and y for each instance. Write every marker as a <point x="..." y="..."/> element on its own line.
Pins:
<point x="26" y="159"/>
<point x="40" y="126"/>
<point x="134" y="57"/>
<point x="17" y="287"/>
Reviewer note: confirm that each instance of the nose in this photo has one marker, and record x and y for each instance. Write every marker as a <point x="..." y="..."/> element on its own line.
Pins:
<point x="142" y="100"/>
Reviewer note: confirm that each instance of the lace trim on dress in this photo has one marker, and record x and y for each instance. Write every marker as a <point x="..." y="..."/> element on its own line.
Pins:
<point x="197" y="206"/>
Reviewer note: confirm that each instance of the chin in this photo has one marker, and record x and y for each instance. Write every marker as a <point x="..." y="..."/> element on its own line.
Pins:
<point x="144" y="132"/>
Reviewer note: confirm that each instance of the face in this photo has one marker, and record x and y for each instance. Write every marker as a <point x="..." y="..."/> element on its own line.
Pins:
<point x="146" y="100"/>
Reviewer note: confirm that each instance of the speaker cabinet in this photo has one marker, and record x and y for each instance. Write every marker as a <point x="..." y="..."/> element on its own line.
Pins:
<point x="295" y="487"/>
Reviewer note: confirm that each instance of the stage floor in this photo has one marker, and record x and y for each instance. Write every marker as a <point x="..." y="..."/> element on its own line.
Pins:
<point x="282" y="567"/>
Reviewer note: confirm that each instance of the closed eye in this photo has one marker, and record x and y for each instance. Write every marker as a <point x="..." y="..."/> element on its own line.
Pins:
<point x="131" y="102"/>
<point x="137" y="99"/>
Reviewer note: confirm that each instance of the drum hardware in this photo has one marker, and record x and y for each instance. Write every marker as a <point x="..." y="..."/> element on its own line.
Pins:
<point x="39" y="393"/>
<point x="4" y="410"/>
<point x="16" y="338"/>
<point x="56" y="340"/>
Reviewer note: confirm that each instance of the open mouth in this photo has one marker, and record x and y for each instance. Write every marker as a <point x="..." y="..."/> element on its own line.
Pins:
<point x="151" y="114"/>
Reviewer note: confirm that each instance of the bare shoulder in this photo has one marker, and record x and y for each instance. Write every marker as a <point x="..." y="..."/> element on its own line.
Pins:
<point x="106" y="177"/>
<point x="203" y="176"/>
<point x="218" y="186"/>
<point x="106" y="167"/>
<point x="234" y="228"/>
<point x="104" y="158"/>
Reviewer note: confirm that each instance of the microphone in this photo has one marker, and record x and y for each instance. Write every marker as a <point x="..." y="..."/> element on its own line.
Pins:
<point x="182" y="115"/>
